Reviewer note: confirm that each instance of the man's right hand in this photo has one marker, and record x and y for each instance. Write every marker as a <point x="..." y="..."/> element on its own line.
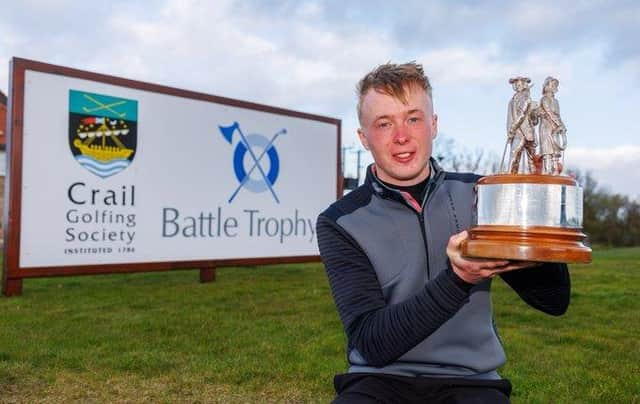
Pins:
<point x="475" y="270"/>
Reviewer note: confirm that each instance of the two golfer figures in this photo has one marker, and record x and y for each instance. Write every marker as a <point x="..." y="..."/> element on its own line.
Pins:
<point x="524" y="116"/>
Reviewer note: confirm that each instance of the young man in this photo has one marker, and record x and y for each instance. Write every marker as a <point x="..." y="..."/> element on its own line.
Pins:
<point x="416" y="313"/>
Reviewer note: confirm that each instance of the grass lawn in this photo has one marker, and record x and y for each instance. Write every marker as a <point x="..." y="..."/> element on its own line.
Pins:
<point x="271" y="334"/>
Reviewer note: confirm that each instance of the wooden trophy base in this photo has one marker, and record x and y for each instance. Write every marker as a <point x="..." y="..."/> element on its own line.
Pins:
<point x="540" y="244"/>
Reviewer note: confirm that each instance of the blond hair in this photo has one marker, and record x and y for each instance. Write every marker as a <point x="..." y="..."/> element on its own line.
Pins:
<point x="393" y="79"/>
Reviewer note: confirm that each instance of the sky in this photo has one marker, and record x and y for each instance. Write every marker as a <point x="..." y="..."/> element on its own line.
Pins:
<point x="309" y="55"/>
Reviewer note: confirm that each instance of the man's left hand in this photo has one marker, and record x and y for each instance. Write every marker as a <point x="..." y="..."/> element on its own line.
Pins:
<point x="475" y="270"/>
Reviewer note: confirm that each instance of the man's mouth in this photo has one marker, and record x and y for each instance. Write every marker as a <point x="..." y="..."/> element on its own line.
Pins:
<point x="403" y="157"/>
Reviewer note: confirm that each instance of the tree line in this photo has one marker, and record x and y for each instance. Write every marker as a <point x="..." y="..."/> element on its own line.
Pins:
<point x="610" y="219"/>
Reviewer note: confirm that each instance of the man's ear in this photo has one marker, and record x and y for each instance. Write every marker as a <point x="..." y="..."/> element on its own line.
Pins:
<point x="363" y="139"/>
<point x="434" y="126"/>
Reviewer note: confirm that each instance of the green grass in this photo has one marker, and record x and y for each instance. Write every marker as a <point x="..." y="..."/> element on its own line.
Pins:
<point x="271" y="334"/>
<point x="592" y="353"/>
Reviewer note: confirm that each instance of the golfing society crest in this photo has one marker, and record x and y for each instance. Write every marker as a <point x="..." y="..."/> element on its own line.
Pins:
<point x="102" y="131"/>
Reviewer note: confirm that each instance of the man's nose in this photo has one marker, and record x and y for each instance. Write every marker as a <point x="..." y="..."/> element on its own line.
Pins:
<point x="401" y="135"/>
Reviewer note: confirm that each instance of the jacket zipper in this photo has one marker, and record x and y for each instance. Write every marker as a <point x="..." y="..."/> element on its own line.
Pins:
<point x="424" y="239"/>
<point x="423" y="230"/>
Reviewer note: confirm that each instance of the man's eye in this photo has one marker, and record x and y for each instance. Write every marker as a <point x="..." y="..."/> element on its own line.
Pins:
<point x="414" y="119"/>
<point x="383" y="125"/>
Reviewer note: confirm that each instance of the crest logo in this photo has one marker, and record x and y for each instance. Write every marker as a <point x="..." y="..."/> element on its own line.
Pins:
<point x="258" y="147"/>
<point x="102" y="132"/>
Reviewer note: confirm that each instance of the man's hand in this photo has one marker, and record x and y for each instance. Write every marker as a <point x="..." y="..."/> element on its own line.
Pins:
<point x="475" y="270"/>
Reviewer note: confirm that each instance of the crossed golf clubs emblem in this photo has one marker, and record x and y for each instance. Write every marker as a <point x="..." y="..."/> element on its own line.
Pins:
<point x="247" y="144"/>
<point x="101" y="106"/>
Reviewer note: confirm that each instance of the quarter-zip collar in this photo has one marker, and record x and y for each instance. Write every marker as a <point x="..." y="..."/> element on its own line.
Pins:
<point x="436" y="176"/>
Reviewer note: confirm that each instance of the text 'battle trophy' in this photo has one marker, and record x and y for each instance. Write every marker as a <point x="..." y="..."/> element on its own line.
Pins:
<point x="530" y="212"/>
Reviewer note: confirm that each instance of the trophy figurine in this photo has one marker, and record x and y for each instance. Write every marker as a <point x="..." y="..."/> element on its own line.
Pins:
<point x="530" y="211"/>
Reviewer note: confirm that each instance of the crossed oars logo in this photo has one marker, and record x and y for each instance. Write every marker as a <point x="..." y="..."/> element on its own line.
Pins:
<point x="246" y="144"/>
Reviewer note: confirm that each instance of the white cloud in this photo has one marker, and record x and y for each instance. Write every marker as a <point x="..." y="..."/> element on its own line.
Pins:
<point x="616" y="168"/>
<point x="491" y="66"/>
<point x="220" y="50"/>
<point x="602" y="158"/>
<point x="309" y="55"/>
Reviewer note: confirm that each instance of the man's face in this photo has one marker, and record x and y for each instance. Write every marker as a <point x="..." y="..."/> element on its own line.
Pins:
<point x="399" y="136"/>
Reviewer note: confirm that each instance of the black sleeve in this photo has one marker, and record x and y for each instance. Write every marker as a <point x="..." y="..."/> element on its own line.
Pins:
<point x="381" y="332"/>
<point x="546" y="288"/>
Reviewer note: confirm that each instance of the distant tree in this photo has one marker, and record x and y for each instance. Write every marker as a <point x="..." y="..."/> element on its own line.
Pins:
<point x="632" y="237"/>
<point x="608" y="219"/>
<point x="453" y="157"/>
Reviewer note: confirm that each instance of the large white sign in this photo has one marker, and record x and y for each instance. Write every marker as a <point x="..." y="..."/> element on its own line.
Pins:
<point x="114" y="174"/>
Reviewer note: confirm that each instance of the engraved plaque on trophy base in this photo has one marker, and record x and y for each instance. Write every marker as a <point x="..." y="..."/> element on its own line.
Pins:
<point x="530" y="218"/>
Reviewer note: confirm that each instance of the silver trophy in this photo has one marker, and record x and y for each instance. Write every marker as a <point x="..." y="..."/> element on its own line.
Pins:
<point x="530" y="211"/>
